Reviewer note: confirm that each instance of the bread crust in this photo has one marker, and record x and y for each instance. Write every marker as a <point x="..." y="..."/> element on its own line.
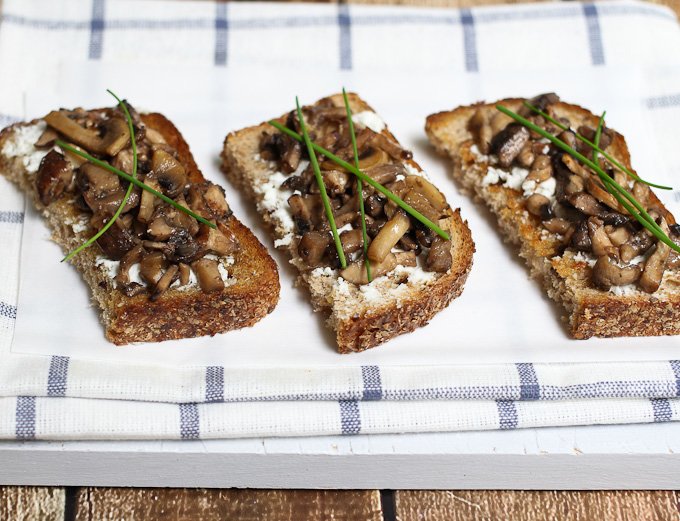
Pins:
<point x="176" y="313"/>
<point x="357" y="327"/>
<point x="589" y="311"/>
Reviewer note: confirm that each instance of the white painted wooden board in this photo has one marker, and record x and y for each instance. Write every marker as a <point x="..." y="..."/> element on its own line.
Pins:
<point x="568" y="458"/>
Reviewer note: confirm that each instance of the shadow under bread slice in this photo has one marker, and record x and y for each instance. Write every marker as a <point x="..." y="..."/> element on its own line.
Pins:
<point x="157" y="273"/>
<point x="415" y="272"/>
<point x="610" y="274"/>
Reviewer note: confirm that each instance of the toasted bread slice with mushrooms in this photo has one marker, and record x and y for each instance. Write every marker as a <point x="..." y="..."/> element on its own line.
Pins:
<point x="605" y="294"/>
<point x="251" y="289"/>
<point x="362" y="315"/>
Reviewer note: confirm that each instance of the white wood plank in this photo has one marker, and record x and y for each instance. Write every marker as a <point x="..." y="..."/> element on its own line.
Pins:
<point x="598" y="457"/>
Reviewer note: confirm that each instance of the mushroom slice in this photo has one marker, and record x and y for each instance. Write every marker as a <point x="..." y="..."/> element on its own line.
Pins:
<point x="406" y="258"/>
<point x="439" y="257"/>
<point x="557" y="225"/>
<point x="392" y="148"/>
<point x="47" y="138"/>
<point x="116" y="241"/>
<point x="427" y="189"/>
<point x="86" y="138"/>
<point x="184" y="274"/>
<point x="55" y="175"/>
<point x="151" y="267"/>
<point x="541" y="169"/>
<point x="480" y="129"/>
<point x="214" y="241"/>
<point x="388" y="236"/>
<point x="385" y="174"/>
<point x="97" y="179"/>
<point x="356" y="271"/>
<point x="165" y="281"/>
<point x="116" y="136"/>
<point x="600" y="243"/>
<point x="312" y="247"/>
<point x="208" y="275"/>
<point x="128" y="260"/>
<point x="148" y="200"/>
<point x="159" y="229"/>
<point x="508" y="143"/>
<point x="639" y="243"/>
<point x="539" y="205"/>
<point x="214" y="198"/>
<point x="352" y="240"/>
<point x="169" y="172"/>
<point x="155" y="137"/>
<point x="606" y="273"/>
<point x="656" y="263"/>
<point x="597" y="190"/>
<point x="422" y="204"/>
<point x="587" y="204"/>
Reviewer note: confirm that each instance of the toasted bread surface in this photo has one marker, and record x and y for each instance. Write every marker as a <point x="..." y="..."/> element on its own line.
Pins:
<point x="177" y="313"/>
<point x="566" y="277"/>
<point x="361" y="319"/>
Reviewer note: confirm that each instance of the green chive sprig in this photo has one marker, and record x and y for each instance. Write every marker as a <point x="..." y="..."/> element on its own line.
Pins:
<point x="621" y="194"/>
<point x="360" y="192"/>
<point x="119" y="210"/>
<point x="595" y="148"/>
<point x="133" y="180"/>
<point x="366" y="179"/>
<point x="598" y="136"/>
<point x="322" y="186"/>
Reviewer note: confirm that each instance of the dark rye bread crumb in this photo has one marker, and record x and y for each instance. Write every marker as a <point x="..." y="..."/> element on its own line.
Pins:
<point x="589" y="311"/>
<point x="358" y="325"/>
<point x="176" y="314"/>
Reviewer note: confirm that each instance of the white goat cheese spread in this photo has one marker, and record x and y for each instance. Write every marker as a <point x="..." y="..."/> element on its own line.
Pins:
<point x="512" y="179"/>
<point x="275" y="202"/>
<point x="370" y="120"/>
<point x="22" y="144"/>
<point x="620" y="291"/>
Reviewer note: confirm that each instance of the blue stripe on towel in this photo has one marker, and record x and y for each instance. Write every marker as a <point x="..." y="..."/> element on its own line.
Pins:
<point x="96" y="30"/>
<point x="189" y="421"/>
<point x="372" y="382"/>
<point x="528" y="382"/>
<point x="594" y="34"/>
<point x="11" y="217"/>
<point x="214" y="384"/>
<point x="662" y="410"/>
<point x="350" y="417"/>
<point x="507" y="414"/>
<point x="25" y="418"/>
<point x="345" y="24"/>
<point x="57" y="376"/>
<point x="221" y="33"/>
<point x="7" y="310"/>
<point x="469" y="40"/>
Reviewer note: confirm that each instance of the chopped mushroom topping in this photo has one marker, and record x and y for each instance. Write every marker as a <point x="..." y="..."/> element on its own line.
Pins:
<point x="165" y="242"/>
<point x="394" y="237"/>
<point x="581" y="213"/>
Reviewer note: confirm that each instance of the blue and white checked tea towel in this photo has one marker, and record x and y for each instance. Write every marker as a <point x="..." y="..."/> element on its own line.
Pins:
<point x="68" y="398"/>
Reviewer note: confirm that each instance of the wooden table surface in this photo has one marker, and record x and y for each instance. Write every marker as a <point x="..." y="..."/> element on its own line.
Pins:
<point x="91" y="503"/>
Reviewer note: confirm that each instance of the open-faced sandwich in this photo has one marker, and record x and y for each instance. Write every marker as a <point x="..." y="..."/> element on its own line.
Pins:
<point x="172" y="261"/>
<point x="562" y="188"/>
<point x="375" y="242"/>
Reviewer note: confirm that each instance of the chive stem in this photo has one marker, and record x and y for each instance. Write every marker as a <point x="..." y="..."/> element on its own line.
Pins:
<point x="133" y="180"/>
<point x="610" y="184"/>
<point x="119" y="210"/>
<point x="596" y="148"/>
<point x="360" y="192"/>
<point x="366" y="179"/>
<point x="598" y="136"/>
<point x="322" y="186"/>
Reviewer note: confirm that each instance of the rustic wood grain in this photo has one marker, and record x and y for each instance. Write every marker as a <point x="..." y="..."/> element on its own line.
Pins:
<point x="30" y="503"/>
<point x="234" y="505"/>
<point x="480" y="505"/>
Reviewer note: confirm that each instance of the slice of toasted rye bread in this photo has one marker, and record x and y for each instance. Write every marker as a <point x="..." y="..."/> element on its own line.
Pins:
<point x="177" y="313"/>
<point x="359" y="322"/>
<point x="567" y="280"/>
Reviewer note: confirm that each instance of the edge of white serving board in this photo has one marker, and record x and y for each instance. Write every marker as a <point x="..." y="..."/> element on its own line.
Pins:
<point x="567" y="458"/>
